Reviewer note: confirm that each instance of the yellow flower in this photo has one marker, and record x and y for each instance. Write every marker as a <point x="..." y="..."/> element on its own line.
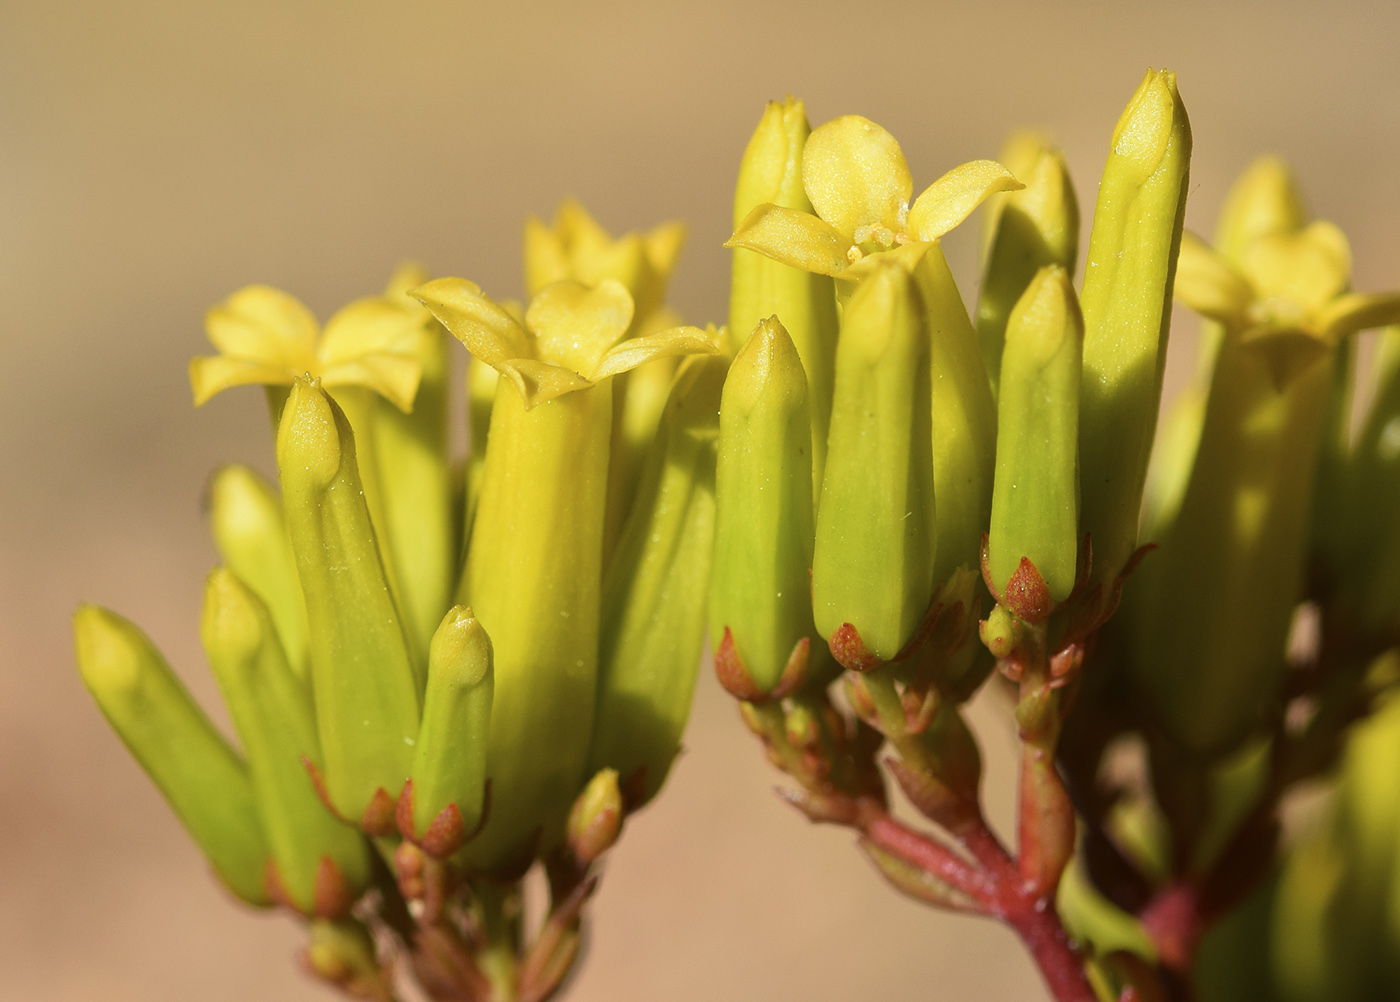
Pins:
<point x="1289" y="297"/>
<point x="859" y="184"/>
<point x="265" y="336"/>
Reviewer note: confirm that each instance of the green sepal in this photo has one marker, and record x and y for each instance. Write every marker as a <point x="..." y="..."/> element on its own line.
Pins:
<point x="201" y="777"/>
<point x="449" y="762"/>
<point x="321" y="865"/>
<point x="760" y="585"/>
<point x="1035" y="500"/>
<point x="532" y="578"/>
<point x="872" y="564"/>
<point x="771" y="173"/>
<point x="365" y="685"/>
<point x="250" y="533"/>
<point x="1126" y="302"/>
<point x="653" y="612"/>
<point x="1036" y="226"/>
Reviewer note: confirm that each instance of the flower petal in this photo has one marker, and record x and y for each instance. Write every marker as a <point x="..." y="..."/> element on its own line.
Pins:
<point x="795" y="238"/>
<point x="574" y="325"/>
<point x="855" y="174"/>
<point x="407" y="275"/>
<point x="213" y="374"/>
<point x="1310" y="267"/>
<point x="540" y="382"/>
<point x="264" y="325"/>
<point x="1207" y="283"/>
<point x="394" y="377"/>
<point x="665" y="344"/>
<point x="951" y="199"/>
<point x="1359" y="311"/>
<point x="663" y="244"/>
<point x="368" y="326"/>
<point x="545" y="259"/>
<point x="488" y="330"/>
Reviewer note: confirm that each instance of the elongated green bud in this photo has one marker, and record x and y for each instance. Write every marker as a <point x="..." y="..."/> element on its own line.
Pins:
<point x="1126" y="303"/>
<point x="251" y="535"/>
<point x="532" y="578"/>
<point x="760" y="586"/>
<point x="200" y="776"/>
<point x="1366" y="542"/>
<point x="653" y="613"/>
<point x="414" y="470"/>
<point x="639" y="397"/>
<point x="872" y="566"/>
<point x="1035" y="503"/>
<point x="771" y="172"/>
<point x="481" y="394"/>
<point x="1036" y="226"/>
<point x="321" y="865"/>
<point x="366" y="691"/>
<point x="449" y="762"/>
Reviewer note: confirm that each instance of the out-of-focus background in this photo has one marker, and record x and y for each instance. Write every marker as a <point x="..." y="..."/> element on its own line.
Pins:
<point x="157" y="155"/>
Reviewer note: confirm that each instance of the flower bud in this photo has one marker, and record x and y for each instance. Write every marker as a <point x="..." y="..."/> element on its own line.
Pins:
<point x="1035" y="501"/>
<point x="872" y="573"/>
<point x="771" y="173"/>
<point x="366" y="692"/>
<point x="251" y="535"/>
<point x="201" y="777"/>
<point x="342" y="953"/>
<point x="449" y="760"/>
<point x="760" y="585"/>
<point x="321" y="865"/>
<point x="1126" y="303"/>
<point x="1036" y="226"/>
<point x="653" y="611"/>
<point x="595" y="820"/>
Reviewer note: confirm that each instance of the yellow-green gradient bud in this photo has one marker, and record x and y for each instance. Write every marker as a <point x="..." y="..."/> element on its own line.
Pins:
<point x="1035" y="501"/>
<point x="872" y="573"/>
<point x="653" y="612"/>
<point x="1036" y="226"/>
<point x="366" y="690"/>
<point x="449" y="762"/>
<point x="1126" y="301"/>
<point x="250" y="533"/>
<point x="595" y="820"/>
<point x="771" y="173"/>
<point x="320" y="865"/>
<point x="200" y="776"/>
<point x="760" y="585"/>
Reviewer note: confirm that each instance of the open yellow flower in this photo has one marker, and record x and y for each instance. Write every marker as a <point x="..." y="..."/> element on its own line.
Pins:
<point x="859" y="184"/>
<point x="1289" y="298"/>
<point x="265" y="336"/>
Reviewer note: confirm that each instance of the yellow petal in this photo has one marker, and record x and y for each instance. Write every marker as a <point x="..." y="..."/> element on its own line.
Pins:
<point x="795" y="238"/>
<point x="540" y="382"/>
<point x="907" y="255"/>
<point x="1358" y="311"/>
<point x="574" y="325"/>
<point x="368" y="326"/>
<point x="579" y="232"/>
<point x="1310" y="267"/>
<point x="263" y="325"/>
<point x="407" y="275"/>
<point x="545" y="259"/>
<point x="1206" y="282"/>
<point x="855" y="174"/>
<point x="215" y="373"/>
<point x="666" y="344"/>
<point x="951" y="199"/>
<point x="663" y="245"/>
<point x="488" y="330"/>
<point x="394" y="377"/>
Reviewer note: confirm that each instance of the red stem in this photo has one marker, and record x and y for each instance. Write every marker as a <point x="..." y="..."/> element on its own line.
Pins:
<point x="1059" y="962"/>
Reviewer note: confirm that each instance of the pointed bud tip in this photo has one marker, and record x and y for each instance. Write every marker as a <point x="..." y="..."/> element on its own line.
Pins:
<point x="1145" y="128"/>
<point x="108" y="649"/>
<point x="596" y="817"/>
<point x="460" y="647"/>
<point x="309" y="438"/>
<point x="230" y="622"/>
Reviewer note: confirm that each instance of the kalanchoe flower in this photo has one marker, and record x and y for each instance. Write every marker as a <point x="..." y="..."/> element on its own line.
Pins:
<point x="859" y="184"/>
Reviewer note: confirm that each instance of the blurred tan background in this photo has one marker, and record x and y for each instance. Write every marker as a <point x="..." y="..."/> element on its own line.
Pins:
<point x="155" y="156"/>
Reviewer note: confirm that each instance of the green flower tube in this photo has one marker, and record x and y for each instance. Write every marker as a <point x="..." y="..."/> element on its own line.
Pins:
<point x="201" y="777"/>
<point x="1035" y="502"/>
<point x="481" y="394"/>
<point x="366" y="689"/>
<point x="449" y="762"/>
<point x="533" y="571"/>
<point x="771" y="172"/>
<point x="653" y="612"/>
<point x="1036" y="226"/>
<point x="872" y="565"/>
<point x="320" y="865"/>
<point x="250" y="533"/>
<point x="1126" y="304"/>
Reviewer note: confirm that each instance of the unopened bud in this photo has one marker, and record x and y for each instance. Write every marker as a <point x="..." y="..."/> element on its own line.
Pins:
<point x="596" y="817"/>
